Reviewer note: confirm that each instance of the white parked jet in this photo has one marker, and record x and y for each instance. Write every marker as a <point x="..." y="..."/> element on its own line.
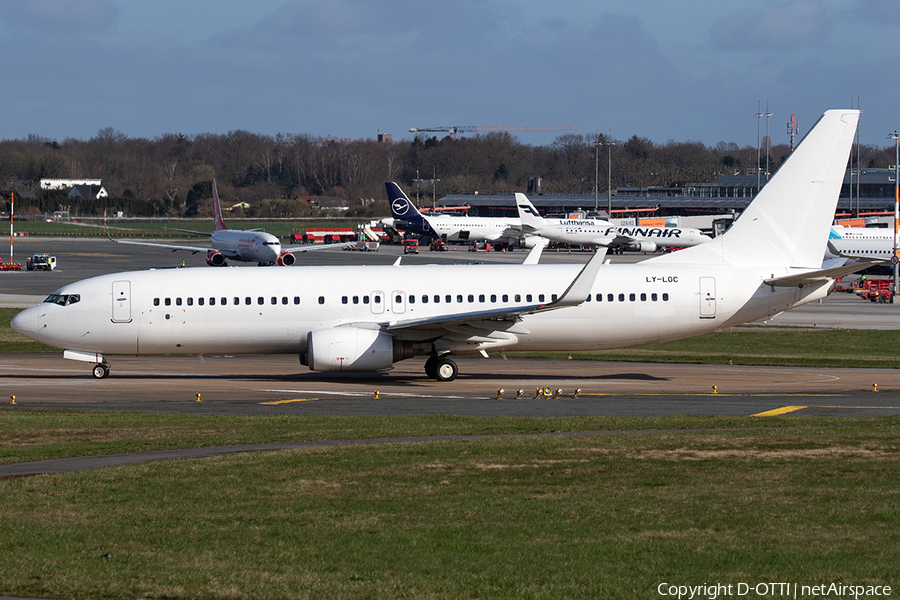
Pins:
<point x="366" y="318"/>
<point x="861" y="242"/>
<point x="236" y="244"/>
<point x="453" y="228"/>
<point x="597" y="232"/>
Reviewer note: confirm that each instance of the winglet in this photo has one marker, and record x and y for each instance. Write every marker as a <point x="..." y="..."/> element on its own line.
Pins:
<point x="581" y="286"/>
<point x="220" y="223"/>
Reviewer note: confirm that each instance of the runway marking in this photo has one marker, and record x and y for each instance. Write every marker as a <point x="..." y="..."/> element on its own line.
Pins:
<point x="274" y="402"/>
<point x="779" y="411"/>
<point x="370" y="394"/>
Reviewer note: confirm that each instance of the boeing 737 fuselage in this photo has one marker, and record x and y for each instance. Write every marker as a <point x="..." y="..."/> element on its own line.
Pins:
<point x="348" y="318"/>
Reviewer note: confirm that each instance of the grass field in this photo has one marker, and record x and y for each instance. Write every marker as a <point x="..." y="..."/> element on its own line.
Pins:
<point x="163" y="229"/>
<point x="698" y="500"/>
<point x="803" y="500"/>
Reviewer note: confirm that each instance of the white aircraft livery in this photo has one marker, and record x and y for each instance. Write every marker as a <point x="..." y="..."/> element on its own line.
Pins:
<point x="366" y="318"/>
<point x="597" y="232"/>
<point x="453" y="228"/>
<point x="236" y="244"/>
<point x="861" y="242"/>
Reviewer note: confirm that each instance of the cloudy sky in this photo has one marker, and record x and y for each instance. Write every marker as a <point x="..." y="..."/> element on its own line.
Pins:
<point x="352" y="68"/>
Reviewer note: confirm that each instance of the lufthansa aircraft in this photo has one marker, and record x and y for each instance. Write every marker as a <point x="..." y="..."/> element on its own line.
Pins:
<point x="366" y="318"/>
<point x="595" y="232"/>
<point x="453" y="228"/>
<point x="236" y="244"/>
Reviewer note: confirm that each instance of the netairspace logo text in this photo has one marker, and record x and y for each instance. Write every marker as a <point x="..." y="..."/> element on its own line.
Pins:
<point x="771" y="590"/>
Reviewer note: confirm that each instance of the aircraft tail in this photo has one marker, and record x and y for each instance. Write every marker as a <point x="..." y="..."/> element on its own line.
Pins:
<point x="528" y="214"/>
<point x="789" y="221"/>
<point x="217" y="207"/>
<point x="402" y="209"/>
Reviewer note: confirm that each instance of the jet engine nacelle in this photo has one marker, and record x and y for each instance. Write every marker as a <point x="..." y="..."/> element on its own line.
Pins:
<point x="215" y="258"/>
<point x="349" y="349"/>
<point x="644" y="246"/>
<point x="286" y="259"/>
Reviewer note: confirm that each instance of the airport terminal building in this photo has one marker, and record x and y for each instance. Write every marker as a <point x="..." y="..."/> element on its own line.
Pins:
<point x="870" y="193"/>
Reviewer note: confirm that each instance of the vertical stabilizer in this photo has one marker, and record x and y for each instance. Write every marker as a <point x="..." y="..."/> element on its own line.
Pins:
<point x="402" y="209"/>
<point x="528" y="214"/>
<point x="217" y="207"/>
<point x="788" y="223"/>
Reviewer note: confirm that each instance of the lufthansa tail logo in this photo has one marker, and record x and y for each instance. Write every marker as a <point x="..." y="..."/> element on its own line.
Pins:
<point x="529" y="210"/>
<point x="400" y="206"/>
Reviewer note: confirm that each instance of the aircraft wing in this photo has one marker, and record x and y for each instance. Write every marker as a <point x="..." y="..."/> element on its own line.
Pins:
<point x="308" y="247"/>
<point x="617" y="241"/>
<point x="206" y="233"/>
<point x="172" y="247"/>
<point x="575" y="294"/>
<point x="874" y="256"/>
<point x="811" y="277"/>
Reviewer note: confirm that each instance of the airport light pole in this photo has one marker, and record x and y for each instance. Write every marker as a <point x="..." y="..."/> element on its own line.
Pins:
<point x="597" y="145"/>
<point x="896" y="258"/>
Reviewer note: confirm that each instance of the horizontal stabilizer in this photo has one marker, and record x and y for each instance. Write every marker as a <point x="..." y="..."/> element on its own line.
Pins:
<point x="819" y="276"/>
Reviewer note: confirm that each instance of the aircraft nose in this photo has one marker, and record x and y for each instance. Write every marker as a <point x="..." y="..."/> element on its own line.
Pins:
<point x="26" y="322"/>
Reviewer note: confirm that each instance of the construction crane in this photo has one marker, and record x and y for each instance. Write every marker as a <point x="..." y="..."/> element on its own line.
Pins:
<point x="486" y="129"/>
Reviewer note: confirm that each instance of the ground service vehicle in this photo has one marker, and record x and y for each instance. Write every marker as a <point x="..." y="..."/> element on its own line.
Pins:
<point x="40" y="262"/>
<point x="411" y="247"/>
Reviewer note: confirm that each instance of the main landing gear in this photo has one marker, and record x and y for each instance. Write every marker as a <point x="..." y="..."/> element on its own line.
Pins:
<point x="101" y="370"/>
<point x="441" y="368"/>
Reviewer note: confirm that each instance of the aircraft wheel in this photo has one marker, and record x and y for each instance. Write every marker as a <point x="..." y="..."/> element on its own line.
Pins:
<point x="101" y="371"/>
<point x="430" y="367"/>
<point x="445" y="370"/>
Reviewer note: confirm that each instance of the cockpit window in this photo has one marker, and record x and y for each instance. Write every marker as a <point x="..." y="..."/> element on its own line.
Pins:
<point x="63" y="299"/>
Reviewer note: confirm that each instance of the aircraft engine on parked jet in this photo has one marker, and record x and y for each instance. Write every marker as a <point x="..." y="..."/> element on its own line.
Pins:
<point x="349" y="349"/>
<point x="286" y="259"/>
<point x="215" y="259"/>
<point x="644" y="246"/>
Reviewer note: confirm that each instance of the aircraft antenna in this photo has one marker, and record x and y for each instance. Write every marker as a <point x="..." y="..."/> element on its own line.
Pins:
<point x="793" y="128"/>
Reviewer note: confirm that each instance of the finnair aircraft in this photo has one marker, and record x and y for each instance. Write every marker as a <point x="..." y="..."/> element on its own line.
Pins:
<point x="596" y="232"/>
<point x="450" y="227"/>
<point x="861" y="242"/>
<point x="236" y="244"/>
<point x="366" y="318"/>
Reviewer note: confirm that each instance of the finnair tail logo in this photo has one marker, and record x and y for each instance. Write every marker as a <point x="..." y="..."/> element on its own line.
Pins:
<point x="529" y="210"/>
<point x="400" y="206"/>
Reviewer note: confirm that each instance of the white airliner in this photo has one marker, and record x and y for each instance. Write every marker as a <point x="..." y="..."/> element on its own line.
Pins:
<point x="597" y="232"/>
<point x="861" y="242"/>
<point x="453" y="228"/>
<point x="366" y="318"/>
<point x="236" y="244"/>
